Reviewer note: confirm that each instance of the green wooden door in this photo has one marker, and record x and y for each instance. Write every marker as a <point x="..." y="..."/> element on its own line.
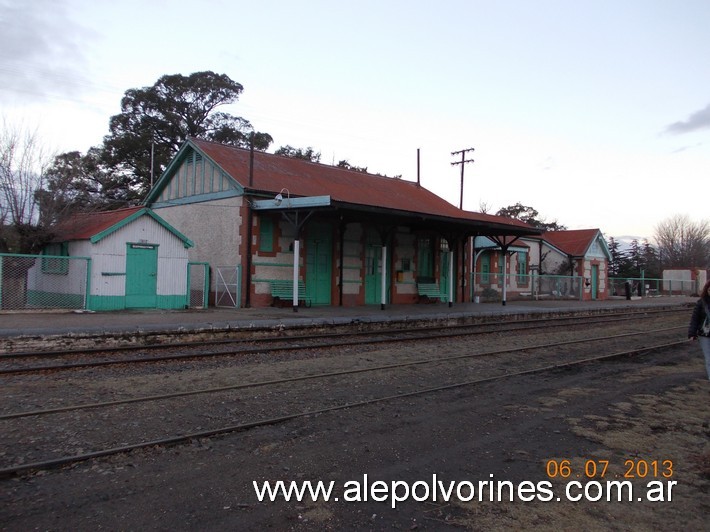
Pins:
<point x="425" y="260"/>
<point x="595" y="281"/>
<point x="141" y="275"/>
<point x="373" y="274"/>
<point x="485" y="275"/>
<point x="319" y="253"/>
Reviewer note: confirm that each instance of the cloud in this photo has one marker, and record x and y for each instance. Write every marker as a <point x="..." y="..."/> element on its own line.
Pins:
<point x="41" y="50"/>
<point x="698" y="120"/>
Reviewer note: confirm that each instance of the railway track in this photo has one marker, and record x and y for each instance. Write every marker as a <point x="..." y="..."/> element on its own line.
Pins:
<point x="68" y="359"/>
<point x="246" y="405"/>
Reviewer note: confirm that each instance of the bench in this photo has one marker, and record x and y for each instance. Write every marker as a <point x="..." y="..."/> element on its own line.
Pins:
<point x="430" y="292"/>
<point x="282" y="292"/>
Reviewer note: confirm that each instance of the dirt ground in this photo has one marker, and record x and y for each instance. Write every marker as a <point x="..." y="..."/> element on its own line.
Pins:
<point x="646" y="410"/>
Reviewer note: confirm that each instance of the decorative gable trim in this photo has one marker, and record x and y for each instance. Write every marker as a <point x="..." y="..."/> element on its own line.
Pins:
<point x="192" y="177"/>
<point x="602" y="246"/>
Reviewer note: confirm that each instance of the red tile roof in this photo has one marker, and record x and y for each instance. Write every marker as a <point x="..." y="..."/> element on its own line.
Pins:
<point x="82" y="226"/>
<point x="272" y="173"/>
<point x="574" y="242"/>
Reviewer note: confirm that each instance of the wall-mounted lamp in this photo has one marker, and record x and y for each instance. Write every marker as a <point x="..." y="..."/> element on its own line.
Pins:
<point x="279" y="197"/>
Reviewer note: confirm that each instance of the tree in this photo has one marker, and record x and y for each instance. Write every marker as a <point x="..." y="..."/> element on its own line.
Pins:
<point x="81" y="182"/>
<point x="530" y="216"/>
<point x="160" y="118"/>
<point x="24" y="223"/>
<point x="634" y="260"/>
<point x="24" y="220"/>
<point x="682" y="242"/>
<point x="306" y="154"/>
<point x="616" y="264"/>
<point x="642" y="261"/>
<point x="639" y="260"/>
<point x="345" y="164"/>
<point x="650" y="261"/>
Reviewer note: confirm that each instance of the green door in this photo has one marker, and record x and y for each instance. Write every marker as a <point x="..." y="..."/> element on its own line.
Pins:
<point x="485" y="274"/>
<point x="373" y="274"/>
<point x="319" y="246"/>
<point x="425" y="260"/>
<point x="141" y="275"/>
<point x="595" y="281"/>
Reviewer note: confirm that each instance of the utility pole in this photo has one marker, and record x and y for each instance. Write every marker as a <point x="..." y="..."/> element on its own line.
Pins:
<point x="462" y="162"/>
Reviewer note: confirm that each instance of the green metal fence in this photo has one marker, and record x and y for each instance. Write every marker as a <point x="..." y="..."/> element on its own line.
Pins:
<point x="43" y="282"/>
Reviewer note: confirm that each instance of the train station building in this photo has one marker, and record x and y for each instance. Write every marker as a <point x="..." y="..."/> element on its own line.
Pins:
<point x="279" y="229"/>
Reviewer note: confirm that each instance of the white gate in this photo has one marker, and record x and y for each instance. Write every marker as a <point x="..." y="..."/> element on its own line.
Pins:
<point x="228" y="286"/>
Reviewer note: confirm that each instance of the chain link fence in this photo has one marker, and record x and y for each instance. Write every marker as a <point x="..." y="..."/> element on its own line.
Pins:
<point x="641" y="287"/>
<point x="489" y="287"/>
<point x="43" y="282"/>
<point x="198" y="284"/>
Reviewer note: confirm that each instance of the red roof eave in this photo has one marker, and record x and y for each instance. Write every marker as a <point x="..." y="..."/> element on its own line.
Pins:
<point x="83" y="226"/>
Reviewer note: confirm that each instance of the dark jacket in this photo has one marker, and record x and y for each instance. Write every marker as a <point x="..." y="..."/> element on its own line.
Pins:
<point x="697" y="320"/>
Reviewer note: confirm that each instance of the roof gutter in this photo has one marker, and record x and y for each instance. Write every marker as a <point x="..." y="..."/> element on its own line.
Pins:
<point x="501" y="229"/>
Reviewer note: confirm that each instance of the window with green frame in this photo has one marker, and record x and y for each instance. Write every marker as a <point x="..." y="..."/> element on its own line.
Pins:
<point x="522" y="267"/>
<point x="485" y="268"/>
<point x="266" y="234"/>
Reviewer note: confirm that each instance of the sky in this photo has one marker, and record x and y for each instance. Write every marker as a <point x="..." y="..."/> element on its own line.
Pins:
<point x="596" y="114"/>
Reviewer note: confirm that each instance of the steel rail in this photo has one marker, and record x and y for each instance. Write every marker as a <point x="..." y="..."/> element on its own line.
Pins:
<point x="174" y="440"/>
<point x="218" y="389"/>
<point x="604" y="318"/>
<point x="413" y="335"/>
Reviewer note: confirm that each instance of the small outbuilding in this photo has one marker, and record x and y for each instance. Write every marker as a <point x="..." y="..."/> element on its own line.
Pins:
<point x="136" y="260"/>
<point x="581" y="252"/>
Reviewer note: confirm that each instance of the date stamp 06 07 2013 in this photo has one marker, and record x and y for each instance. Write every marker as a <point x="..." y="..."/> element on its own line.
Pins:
<point x="598" y="469"/>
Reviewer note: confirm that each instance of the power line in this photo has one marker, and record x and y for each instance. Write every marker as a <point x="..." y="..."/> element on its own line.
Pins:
<point x="462" y="162"/>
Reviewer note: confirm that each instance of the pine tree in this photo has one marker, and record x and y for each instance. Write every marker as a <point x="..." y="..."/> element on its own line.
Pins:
<point x="617" y="258"/>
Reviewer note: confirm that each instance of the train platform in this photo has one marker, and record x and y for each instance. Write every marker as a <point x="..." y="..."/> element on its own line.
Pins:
<point x="49" y="323"/>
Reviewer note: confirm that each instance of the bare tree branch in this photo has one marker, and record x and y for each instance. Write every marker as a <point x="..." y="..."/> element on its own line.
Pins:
<point x="23" y="165"/>
<point x="682" y="242"/>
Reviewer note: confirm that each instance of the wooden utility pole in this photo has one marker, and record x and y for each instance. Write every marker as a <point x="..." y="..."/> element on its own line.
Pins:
<point x="462" y="162"/>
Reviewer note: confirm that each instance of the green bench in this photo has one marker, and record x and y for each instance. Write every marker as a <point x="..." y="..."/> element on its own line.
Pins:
<point x="282" y="292"/>
<point x="430" y="292"/>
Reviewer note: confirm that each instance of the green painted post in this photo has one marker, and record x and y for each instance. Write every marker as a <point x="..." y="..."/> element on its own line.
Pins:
<point x="87" y="293"/>
<point x="206" y="285"/>
<point x="188" y="288"/>
<point x="239" y="286"/>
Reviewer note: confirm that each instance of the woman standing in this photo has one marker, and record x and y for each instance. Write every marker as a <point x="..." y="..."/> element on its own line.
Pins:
<point x="699" y="328"/>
